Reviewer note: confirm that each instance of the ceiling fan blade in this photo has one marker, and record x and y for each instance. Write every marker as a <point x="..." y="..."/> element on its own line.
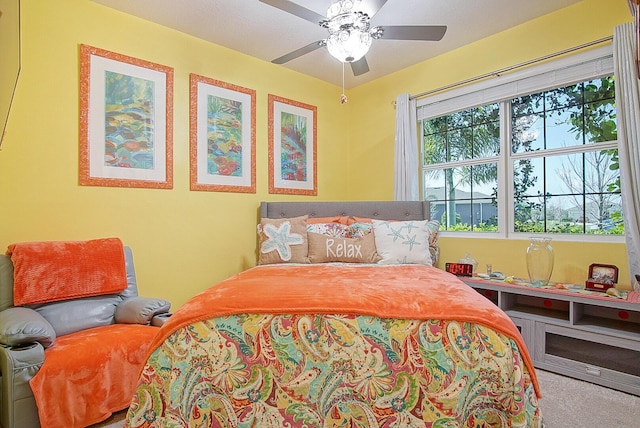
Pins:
<point x="414" y="32"/>
<point x="373" y="6"/>
<point x="295" y="9"/>
<point x="360" y="66"/>
<point x="298" y="53"/>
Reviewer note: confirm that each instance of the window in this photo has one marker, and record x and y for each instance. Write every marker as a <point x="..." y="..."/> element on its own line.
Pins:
<point x="461" y="171"/>
<point x="540" y="161"/>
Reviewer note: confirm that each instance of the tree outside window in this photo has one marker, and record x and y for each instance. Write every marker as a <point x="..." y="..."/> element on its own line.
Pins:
<point x="561" y="156"/>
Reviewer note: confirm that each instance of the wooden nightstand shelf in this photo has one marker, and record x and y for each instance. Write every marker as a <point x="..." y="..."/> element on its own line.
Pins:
<point x="587" y="336"/>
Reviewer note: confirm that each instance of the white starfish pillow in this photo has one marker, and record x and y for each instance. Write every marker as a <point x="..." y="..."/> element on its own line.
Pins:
<point x="402" y="242"/>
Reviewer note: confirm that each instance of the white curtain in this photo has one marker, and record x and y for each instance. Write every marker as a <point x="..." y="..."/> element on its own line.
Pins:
<point x="628" y="114"/>
<point x="406" y="150"/>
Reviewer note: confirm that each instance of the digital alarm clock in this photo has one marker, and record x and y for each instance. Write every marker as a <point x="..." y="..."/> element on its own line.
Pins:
<point x="460" y="269"/>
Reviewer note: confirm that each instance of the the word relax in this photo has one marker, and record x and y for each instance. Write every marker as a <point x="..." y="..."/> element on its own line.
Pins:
<point x="343" y="249"/>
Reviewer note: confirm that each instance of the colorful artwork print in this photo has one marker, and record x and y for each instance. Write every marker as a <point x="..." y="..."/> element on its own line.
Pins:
<point x="224" y="137"/>
<point x="126" y="121"/>
<point x="222" y="132"/>
<point x="129" y="127"/>
<point x="293" y="147"/>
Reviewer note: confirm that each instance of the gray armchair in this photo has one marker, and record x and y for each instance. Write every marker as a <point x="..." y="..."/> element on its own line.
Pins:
<point x="29" y="334"/>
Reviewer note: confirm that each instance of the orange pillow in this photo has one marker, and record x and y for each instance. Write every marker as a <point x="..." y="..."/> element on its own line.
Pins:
<point x="358" y="220"/>
<point x="338" y="219"/>
<point x="355" y="219"/>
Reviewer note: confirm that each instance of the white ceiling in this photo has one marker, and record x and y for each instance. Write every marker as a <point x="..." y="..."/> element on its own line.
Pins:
<point x="262" y="31"/>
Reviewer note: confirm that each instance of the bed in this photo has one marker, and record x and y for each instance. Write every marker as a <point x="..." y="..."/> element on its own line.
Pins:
<point x="334" y="329"/>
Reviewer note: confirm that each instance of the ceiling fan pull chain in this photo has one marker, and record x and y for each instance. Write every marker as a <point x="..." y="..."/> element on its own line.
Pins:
<point x="343" y="97"/>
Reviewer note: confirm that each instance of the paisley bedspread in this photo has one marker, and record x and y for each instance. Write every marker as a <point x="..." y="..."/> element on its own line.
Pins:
<point x="353" y="367"/>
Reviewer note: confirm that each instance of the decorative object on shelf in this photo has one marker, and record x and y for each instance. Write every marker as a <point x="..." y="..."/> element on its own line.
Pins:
<point x="470" y="260"/>
<point x="601" y="277"/>
<point x="459" y="269"/>
<point x="540" y="259"/>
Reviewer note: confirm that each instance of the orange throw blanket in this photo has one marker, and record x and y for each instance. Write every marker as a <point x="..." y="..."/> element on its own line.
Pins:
<point x="397" y="291"/>
<point x="59" y="270"/>
<point x="88" y="375"/>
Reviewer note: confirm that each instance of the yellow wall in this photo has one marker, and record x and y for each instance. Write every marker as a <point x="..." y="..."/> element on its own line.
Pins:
<point x="10" y="48"/>
<point x="374" y="122"/>
<point x="184" y="241"/>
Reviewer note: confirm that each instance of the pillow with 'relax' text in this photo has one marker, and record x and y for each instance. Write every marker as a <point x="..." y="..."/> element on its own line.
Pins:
<point x="323" y="249"/>
<point x="282" y="240"/>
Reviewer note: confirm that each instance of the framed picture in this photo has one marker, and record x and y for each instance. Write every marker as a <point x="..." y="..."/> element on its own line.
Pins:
<point x="292" y="147"/>
<point x="222" y="121"/>
<point x="126" y="121"/>
<point x="605" y="274"/>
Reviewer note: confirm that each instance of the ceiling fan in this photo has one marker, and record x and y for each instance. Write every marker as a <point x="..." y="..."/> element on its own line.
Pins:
<point x="350" y="32"/>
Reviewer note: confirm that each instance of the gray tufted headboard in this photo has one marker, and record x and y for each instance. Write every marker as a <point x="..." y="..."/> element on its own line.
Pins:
<point x="381" y="210"/>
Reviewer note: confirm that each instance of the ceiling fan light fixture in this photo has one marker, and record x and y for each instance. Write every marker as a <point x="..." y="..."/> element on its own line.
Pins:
<point x="350" y="35"/>
<point x="340" y="7"/>
<point x="349" y="45"/>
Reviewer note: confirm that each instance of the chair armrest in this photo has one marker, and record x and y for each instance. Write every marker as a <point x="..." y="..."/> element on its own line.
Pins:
<point x="20" y="326"/>
<point x="18" y="365"/>
<point x="140" y="310"/>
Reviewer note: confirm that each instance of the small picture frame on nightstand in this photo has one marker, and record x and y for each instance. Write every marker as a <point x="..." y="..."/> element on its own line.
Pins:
<point x="602" y="277"/>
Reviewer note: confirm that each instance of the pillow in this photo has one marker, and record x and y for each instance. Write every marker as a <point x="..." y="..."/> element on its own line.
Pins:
<point x="338" y="219"/>
<point x="336" y="230"/>
<point x="434" y="249"/>
<point x="359" y="226"/>
<point x="282" y="240"/>
<point x="324" y="249"/>
<point x="354" y="219"/>
<point x="402" y="242"/>
<point x="359" y="230"/>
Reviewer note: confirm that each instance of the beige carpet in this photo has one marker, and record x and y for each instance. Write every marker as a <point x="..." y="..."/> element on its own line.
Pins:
<point x="115" y="421"/>
<point x="571" y="403"/>
<point x="566" y="403"/>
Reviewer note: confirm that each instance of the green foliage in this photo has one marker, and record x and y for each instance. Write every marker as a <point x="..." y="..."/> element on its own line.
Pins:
<point x="589" y="110"/>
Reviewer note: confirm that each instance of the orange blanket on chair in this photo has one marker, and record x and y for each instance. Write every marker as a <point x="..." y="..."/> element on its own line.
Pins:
<point x="88" y="375"/>
<point x="59" y="270"/>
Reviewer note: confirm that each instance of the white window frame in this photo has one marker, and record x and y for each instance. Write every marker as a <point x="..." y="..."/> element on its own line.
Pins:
<point x="571" y="69"/>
